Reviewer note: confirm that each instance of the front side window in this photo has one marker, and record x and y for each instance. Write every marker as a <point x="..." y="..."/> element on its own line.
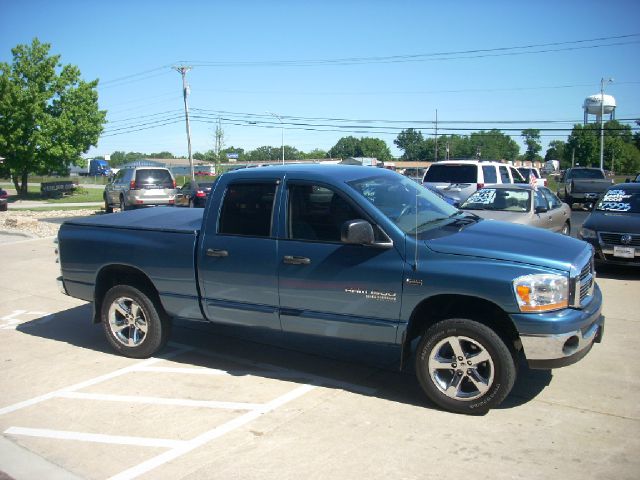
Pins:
<point x="317" y="213"/>
<point x="247" y="209"/>
<point x="554" y="202"/>
<point x="541" y="200"/>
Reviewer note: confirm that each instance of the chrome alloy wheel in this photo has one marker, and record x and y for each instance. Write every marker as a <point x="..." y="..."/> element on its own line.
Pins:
<point x="127" y="322"/>
<point x="461" y="368"/>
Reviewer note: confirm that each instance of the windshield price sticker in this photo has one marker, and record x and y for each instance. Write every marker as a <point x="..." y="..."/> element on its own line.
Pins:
<point x="614" y="201"/>
<point x="484" y="197"/>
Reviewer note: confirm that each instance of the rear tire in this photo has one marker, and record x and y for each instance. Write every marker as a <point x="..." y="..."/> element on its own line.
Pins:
<point x="123" y="205"/>
<point x="134" y="326"/>
<point x="464" y="366"/>
<point x="566" y="229"/>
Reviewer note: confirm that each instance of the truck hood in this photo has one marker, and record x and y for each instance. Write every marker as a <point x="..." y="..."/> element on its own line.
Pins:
<point x="166" y="219"/>
<point x="506" y="241"/>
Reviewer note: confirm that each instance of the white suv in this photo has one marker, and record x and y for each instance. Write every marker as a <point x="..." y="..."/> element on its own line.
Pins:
<point x="458" y="179"/>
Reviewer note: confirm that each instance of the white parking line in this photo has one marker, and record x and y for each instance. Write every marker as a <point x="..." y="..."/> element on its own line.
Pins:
<point x="185" y="370"/>
<point x="206" y="437"/>
<point x="90" y="382"/>
<point x="182" y="402"/>
<point x="94" y="437"/>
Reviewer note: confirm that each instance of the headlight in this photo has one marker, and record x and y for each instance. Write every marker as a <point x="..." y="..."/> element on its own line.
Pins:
<point x="541" y="292"/>
<point x="587" y="233"/>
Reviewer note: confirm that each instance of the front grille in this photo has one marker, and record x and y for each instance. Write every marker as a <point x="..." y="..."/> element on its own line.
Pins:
<point x="584" y="283"/>
<point x="607" y="238"/>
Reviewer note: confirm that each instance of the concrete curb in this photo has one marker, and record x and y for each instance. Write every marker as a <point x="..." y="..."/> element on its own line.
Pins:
<point x="20" y="463"/>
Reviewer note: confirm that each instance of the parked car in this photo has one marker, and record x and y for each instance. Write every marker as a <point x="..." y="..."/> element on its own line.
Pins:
<point x="526" y="174"/>
<point x="458" y="179"/>
<point x="3" y="200"/>
<point x="194" y="194"/>
<point x="521" y="204"/>
<point x="613" y="227"/>
<point x="583" y="185"/>
<point x="139" y="187"/>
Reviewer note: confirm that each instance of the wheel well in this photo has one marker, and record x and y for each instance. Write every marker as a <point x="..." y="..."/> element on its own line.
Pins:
<point x="441" y="307"/>
<point x="122" y="275"/>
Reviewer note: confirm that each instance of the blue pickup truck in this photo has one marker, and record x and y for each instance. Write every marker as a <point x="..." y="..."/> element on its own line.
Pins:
<point x="344" y="253"/>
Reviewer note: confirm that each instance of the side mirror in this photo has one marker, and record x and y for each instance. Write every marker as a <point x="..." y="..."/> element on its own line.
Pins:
<point x="357" y="232"/>
<point x="541" y="209"/>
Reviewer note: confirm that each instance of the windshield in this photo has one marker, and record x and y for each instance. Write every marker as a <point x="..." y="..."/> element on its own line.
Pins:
<point x="452" y="174"/>
<point x="502" y="199"/>
<point x="619" y="200"/>
<point x="397" y="198"/>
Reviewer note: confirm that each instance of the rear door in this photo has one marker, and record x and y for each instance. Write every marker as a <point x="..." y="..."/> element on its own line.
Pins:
<point x="237" y="261"/>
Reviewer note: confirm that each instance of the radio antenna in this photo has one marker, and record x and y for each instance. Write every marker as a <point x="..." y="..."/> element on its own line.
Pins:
<point x="415" y="264"/>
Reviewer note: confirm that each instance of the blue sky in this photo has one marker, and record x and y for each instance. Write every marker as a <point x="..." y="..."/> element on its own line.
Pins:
<point x="237" y="50"/>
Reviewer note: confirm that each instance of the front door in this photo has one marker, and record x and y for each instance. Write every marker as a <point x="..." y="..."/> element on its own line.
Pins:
<point x="329" y="288"/>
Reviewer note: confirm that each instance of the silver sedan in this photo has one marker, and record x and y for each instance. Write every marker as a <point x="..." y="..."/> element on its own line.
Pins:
<point x="537" y="207"/>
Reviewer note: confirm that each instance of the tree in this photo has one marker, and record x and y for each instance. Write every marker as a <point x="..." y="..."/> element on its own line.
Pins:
<point x="412" y="142"/>
<point x="346" y="147"/>
<point x="49" y="117"/>
<point x="584" y="144"/>
<point x="376" y="148"/>
<point x="556" y="150"/>
<point x="532" y="141"/>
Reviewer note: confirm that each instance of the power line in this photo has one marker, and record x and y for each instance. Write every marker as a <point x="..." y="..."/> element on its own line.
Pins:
<point x="452" y="55"/>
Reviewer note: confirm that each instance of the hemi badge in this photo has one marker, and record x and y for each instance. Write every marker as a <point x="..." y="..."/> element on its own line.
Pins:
<point x="414" y="281"/>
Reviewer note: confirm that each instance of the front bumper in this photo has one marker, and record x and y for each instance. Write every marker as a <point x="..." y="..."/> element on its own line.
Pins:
<point x="561" y="338"/>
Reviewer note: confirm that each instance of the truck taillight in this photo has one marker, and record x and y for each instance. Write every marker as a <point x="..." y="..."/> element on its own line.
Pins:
<point x="200" y="194"/>
<point x="132" y="185"/>
<point x="174" y="184"/>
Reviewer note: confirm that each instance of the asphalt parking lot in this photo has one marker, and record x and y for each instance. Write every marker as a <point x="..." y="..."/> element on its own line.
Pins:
<point x="217" y="405"/>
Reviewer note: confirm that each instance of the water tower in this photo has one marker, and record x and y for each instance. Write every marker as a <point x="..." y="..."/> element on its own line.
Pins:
<point x="597" y="105"/>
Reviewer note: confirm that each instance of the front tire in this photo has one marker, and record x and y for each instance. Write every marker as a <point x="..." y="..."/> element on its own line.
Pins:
<point x="133" y="324"/>
<point x="464" y="366"/>
<point x="107" y="208"/>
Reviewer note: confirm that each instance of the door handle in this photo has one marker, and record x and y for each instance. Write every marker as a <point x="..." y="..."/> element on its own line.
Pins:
<point x="291" y="260"/>
<point x="212" y="252"/>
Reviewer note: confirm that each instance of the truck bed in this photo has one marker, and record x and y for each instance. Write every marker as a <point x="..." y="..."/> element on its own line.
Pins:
<point x="158" y="242"/>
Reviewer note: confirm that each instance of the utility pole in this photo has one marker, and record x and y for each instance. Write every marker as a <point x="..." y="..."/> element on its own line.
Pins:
<point x="602" y="120"/>
<point x="436" y="135"/>
<point x="185" y="92"/>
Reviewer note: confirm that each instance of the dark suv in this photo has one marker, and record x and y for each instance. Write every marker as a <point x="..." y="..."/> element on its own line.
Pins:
<point x="138" y="187"/>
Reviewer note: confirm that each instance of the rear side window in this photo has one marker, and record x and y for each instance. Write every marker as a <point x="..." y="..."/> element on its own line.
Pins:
<point x="156" y="177"/>
<point x="489" y="173"/>
<point x="247" y="209"/>
<point x="504" y="175"/>
<point x="452" y="174"/>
